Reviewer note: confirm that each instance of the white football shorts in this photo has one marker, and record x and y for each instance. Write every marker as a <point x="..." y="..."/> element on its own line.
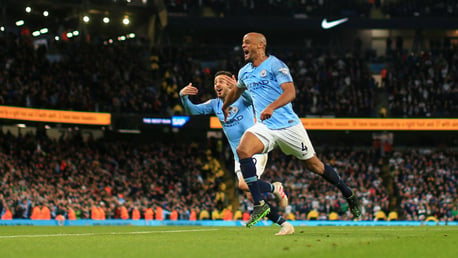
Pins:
<point x="292" y="140"/>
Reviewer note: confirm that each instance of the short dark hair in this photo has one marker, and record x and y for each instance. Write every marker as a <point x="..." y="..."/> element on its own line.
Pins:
<point x="222" y="72"/>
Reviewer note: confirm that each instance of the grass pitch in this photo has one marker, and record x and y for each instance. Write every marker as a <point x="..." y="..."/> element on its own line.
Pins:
<point x="174" y="241"/>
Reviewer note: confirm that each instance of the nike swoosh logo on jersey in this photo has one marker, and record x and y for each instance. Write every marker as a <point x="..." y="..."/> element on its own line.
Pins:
<point x="327" y="25"/>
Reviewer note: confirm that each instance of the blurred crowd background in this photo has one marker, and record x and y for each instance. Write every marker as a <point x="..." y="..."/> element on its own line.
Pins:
<point x="72" y="174"/>
<point x="121" y="78"/>
<point x="80" y="177"/>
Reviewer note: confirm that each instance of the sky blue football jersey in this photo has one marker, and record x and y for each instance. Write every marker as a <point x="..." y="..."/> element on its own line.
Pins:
<point x="240" y="117"/>
<point x="263" y="84"/>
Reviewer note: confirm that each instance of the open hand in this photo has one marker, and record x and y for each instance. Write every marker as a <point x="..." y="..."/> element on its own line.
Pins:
<point x="189" y="90"/>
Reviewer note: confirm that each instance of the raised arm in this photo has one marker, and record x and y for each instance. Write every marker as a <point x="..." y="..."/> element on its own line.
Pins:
<point x="191" y="108"/>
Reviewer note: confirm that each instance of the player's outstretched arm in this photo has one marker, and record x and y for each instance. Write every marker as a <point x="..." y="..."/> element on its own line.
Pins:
<point x="191" y="108"/>
<point x="189" y="90"/>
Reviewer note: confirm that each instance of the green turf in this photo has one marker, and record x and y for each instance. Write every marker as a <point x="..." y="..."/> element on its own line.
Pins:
<point x="174" y="241"/>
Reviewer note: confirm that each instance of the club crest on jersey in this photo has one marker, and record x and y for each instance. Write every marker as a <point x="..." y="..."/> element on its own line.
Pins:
<point x="284" y="70"/>
<point x="263" y="73"/>
<point x="233" y="111"/>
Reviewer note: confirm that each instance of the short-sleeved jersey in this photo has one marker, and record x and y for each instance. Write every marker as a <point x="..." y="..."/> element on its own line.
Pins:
<point x="241" y="116"/>
<point x="263" y="83"/>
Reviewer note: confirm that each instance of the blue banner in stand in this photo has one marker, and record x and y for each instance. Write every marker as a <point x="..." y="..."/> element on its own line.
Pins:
<point x="215" y="223"/>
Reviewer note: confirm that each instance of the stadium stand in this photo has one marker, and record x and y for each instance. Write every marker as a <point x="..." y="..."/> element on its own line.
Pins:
<point x="339" y="86"/>
<point x="43" y="178"/>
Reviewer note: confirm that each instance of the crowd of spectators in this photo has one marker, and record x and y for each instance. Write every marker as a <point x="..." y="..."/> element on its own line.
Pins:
<point x="314" y="8"/>
<point x="70" y="174"/>
<point x="270" y="8"/>
<point x="127" y="177"/>
<point x="332" y="85"/>
<point x="126" y="78"/>
<point x="83" y="77"/>
<point x="422" y="8"/>
<point x="90" y="77"/>
<point x="421" y="178"/>
<point x="423" y="84"/>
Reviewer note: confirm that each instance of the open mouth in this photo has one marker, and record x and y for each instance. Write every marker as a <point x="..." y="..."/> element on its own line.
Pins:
<point x="245" y="52"/>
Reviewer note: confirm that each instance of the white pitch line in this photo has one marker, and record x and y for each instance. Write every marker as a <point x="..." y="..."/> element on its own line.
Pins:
<point x="109" y="233"/>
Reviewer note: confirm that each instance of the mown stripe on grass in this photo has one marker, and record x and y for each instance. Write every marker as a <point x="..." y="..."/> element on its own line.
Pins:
<point x="109" y="233"/>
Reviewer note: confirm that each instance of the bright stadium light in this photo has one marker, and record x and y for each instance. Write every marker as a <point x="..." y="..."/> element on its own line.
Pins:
<point x="122" y="38"/>
<point x="44" y="31"/>
<point x="76" y="33"/>
<point x="126" y="20"/>
<point x="28" y="9"/>
<point x="2" y="28"/>
<point x="20" y="23"/>
<point x="36" y="33"/>
<point x="45" y="13"/>
<point x="57" y="38"/>
<point x="106" y="19"/>
<point x="86" y="18"/>
<point x="69" y="34"/>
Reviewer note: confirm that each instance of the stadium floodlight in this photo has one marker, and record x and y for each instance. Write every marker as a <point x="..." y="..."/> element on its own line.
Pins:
<point x="126" y="20"/>
<point x="45" y="13"/>
<point x="44" y="31"/>
<point x="69" y="34"/>
<point x="57" y="38"/>
<point x="131" y="35"/>
<point x="76" y="33"/>
<point x="20" y="23"/>
<point x="28" y="9"/>
<point x="36" y="33"/>
<point x="122" y="38"/>
<point x="2" y="28"/>
<point x="106" y="20"/>
<point x="86" y="18"/>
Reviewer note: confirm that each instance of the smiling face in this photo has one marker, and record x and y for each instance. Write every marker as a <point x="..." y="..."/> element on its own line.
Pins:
<point x="221" y="87"/>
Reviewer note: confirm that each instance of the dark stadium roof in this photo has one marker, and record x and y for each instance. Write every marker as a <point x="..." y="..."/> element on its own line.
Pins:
<point x="68" y="14"/>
